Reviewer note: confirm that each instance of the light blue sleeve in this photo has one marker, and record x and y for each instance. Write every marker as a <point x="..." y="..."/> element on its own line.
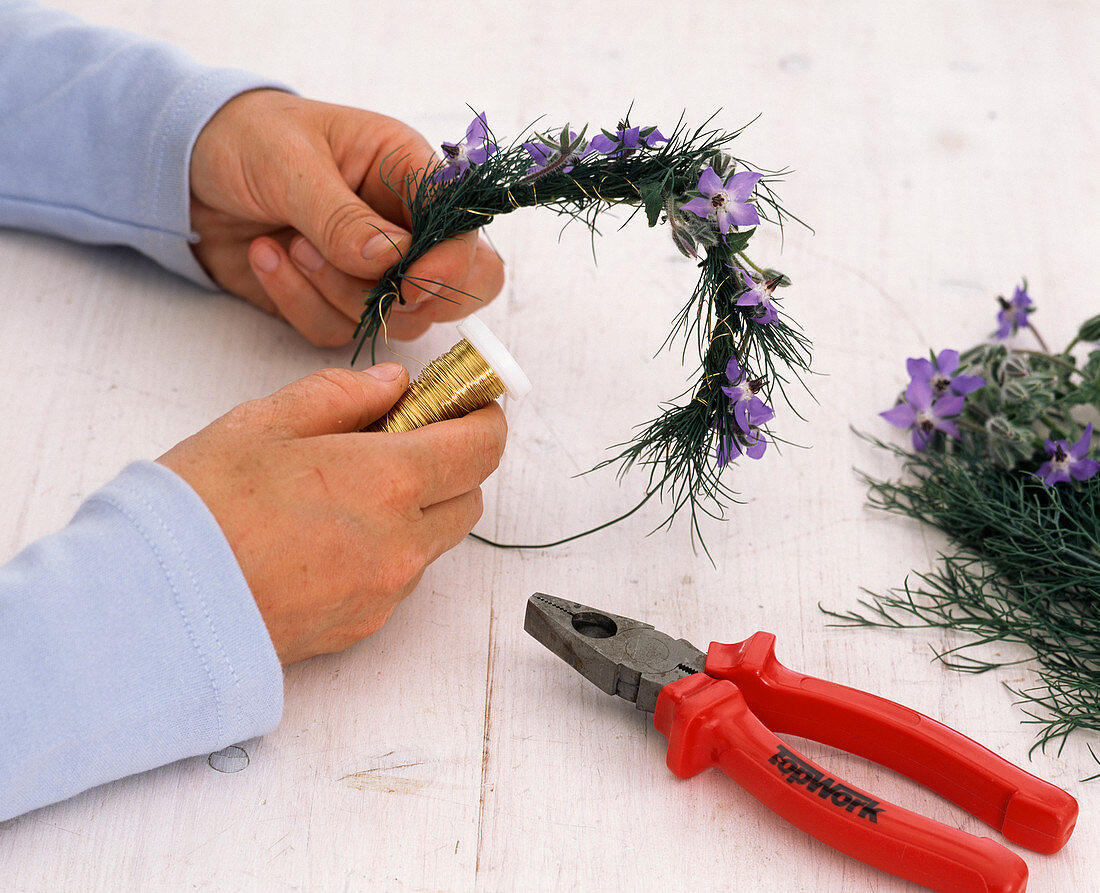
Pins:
<point x="96" y="131"/>
<point x="128" y="640"/>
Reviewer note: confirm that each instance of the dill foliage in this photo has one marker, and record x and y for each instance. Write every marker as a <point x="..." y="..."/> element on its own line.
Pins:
<point x="679" y="447"/>
<point x="1023" y="561"/>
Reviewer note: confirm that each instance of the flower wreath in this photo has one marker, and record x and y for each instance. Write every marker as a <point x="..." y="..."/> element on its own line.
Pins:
<point x="712" y="204"/>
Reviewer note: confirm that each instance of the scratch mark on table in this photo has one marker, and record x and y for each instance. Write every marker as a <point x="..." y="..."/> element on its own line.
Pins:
<point x="489" y="662"/>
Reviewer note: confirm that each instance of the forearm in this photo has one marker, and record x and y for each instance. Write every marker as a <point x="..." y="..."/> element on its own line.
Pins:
<point x="130" y="639"/>
<point x="96" y="132"/>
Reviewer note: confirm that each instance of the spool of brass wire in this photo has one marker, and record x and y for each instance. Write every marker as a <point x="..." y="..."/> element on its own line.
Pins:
<point x="469" y="376"/>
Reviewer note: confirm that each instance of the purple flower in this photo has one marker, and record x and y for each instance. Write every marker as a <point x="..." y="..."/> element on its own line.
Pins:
<point x="626" y="140"/>
<point x="938" y="374"/>
<point x="749" y="411"/>
<point x="728" y="203"/>
<point x="558" y="156"/>
<point x="460" y="157"/>
<point x="925" y="414"/>
<point x="1067" y="462"/>
<point x="759" y="294"/>
<point x="1013" y="314"/>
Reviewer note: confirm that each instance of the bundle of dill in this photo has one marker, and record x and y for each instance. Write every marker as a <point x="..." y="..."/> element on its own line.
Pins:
<point x="684" y="448"/>
<point x="1004" y="471"/>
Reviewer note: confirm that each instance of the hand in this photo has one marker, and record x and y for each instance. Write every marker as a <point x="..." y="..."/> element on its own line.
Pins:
<point x="290" y="201"/>
<point x="332" y="526"/>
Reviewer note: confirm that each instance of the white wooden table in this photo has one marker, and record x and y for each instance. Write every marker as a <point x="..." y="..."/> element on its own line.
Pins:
<point x="941" y="150"/>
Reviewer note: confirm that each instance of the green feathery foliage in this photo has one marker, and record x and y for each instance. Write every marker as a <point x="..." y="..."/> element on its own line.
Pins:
<point x="679" y="448"/>
<point x="1023" y="562"/>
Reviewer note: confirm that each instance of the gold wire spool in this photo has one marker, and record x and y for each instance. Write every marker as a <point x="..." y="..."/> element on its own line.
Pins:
<point x="452" y="385"/>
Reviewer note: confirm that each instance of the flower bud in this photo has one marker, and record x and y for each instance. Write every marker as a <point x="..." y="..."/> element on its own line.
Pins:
<point x="1090" y="329"/>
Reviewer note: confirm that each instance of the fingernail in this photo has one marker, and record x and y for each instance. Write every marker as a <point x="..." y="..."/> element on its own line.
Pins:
<point x="382" y="248"/>
<point x="305" y="255"/>
<point x="265" y="258"/>
<point x="385" y="371"/>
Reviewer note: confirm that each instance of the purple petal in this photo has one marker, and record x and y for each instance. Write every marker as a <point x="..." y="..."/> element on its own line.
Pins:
<point x="537" y="151"/>
<point x="919" y="394"/>
<point x="1055" y="474"/>
<point x="742" y="214"/>
<point x="948" y="361"/>
<point x="478" y="154"/>
<point x="709" y="183"/>
<point x="701" y="207"/>
<point x="949" y="428"/>
<point x="756" y="449"/>
<point x="759" y="412"/>
<point x="967" y="384"/>
<point x="948" y="405"/>
<point x="478" y="130"/>
<point x="654" y="136"/>
<point x="723" y="218"/>
<point x="603" y="144"/>
<point x="770" y="316"/>
<point x="741" y="415"/>
<point x="728" y="449"/>
<point x="1081" y="449"/>
<point x="921" y="439"/>
<point x="630" y="137"/>
<point x="1083" y="469"/>
<point x="741" y="185"/>
<point x="734" y="370"/>
<point x="749" y="298"/>
<point x="919" y="367"/>
<point x="901" y="415"/>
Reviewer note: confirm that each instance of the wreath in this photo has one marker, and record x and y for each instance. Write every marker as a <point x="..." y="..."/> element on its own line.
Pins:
<point x="712" y="203"/>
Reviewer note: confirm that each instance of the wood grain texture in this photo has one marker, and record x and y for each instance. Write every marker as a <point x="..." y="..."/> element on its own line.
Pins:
<point x="940" y="151"/>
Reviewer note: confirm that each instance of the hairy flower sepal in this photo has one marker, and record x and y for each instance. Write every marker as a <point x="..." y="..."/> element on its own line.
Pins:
<point x="555" y="156"/>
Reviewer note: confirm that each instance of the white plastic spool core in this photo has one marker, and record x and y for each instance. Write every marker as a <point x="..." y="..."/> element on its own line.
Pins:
<point x="496" y="355"/>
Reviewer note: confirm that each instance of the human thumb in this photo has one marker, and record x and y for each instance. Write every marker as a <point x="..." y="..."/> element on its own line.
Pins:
<point x="347" y="231"/>
<point x="335" y="401"/>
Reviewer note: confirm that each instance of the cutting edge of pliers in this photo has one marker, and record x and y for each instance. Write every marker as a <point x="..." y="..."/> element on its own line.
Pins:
<point x="619" y="655"/>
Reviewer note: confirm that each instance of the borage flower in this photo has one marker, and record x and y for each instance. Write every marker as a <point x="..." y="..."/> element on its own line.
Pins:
<point x="552" y="156"/>
<point x="759" y="294"/>
<point x="749" y="413"/>
<point x="938" y="374"/>
<point x="1067" y="462"/>
<point x="748" y="410"/>
<point x="925" y="414"/>
<point x="1013" y="314"/>
<point x="626" y="140"/>
<point x="461" y="156"/>
<point x="727" y="203"/>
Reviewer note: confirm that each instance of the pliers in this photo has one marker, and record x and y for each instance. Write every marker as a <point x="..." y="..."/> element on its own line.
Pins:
<point x="724" y="707"/>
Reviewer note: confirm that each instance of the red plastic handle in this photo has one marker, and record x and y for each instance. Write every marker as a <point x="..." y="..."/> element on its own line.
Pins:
<point x="709" y="723"/>
<point x="1026" y="809"/>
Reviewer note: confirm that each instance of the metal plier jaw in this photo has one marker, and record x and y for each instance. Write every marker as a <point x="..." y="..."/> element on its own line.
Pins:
<point x="724" y="709"/>
<point x="618" y="655"/>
